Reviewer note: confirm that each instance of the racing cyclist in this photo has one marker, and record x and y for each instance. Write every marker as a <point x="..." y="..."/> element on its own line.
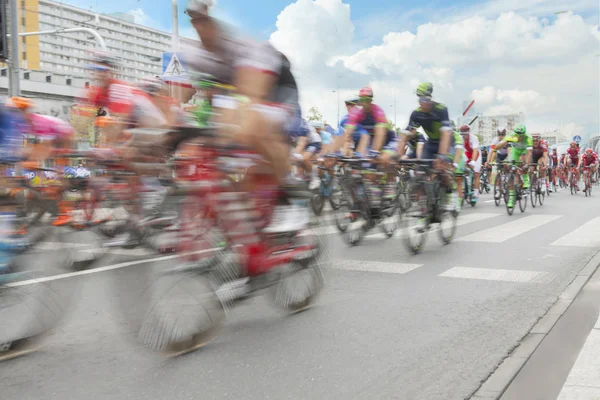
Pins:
<point x="443" y="140"/>
<point x="359" y="131"/>
<point x="522" y="146"/>
<point x="307" y="148"/>
<point x="372" y="118"/>
<point x="572" y="160"/>
<point x="588" y="159"/>
<point x="471" y="145"/>
<point x="539" y="153"/>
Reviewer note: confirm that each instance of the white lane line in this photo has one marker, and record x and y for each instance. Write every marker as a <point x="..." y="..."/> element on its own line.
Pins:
<point x="59" y="246"/>
<point x="120" y="252"/>
<point x="504" y="232"/>
<point x="375" y="266"/>
<point x="463" y="219"/>
<point x="501" y="275"/>
<point x="489" y="201"/>
<point x="583" y="381"/>
<point x="586" y="235"/>
<point x="102" y="269"/>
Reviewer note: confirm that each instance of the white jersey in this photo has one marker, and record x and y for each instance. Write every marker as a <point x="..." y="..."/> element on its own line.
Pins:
<point x="313" y="136"/>
<point x="503" y="151"/>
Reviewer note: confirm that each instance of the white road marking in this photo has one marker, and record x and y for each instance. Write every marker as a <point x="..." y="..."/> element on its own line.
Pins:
<point x="502" y="275"/>
<point x="375" y="266"/>
<point x="509" y="230"/>
<point x="121" y="252"/>
<point x="102" y="269"/>
<point x="489" y="201"/>
<point x="583" y="381"/>
<point x="463" y="219"/>
<point x="586" y="235"/>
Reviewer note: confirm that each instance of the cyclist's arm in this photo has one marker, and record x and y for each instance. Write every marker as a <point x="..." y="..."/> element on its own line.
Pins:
<point x="445" y="132"/>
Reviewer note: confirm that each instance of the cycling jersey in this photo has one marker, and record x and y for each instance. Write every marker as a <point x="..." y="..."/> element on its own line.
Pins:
<point x="520" y="145"/>
<point x="11" y="140"/>
<point x="469" y="145"/>
<point x="587" y="161"/>
<point x="573" y="154"/>
<point x="358" y="130"/>
<point x="431" y="121"/>
<point x="554" y="159"/>
<point x="538" y="152"/>
<point x="117" y="98"/>
<point x="413" y="141"/>
<point x="368" y="120"/>
<point x="237" y="53"/>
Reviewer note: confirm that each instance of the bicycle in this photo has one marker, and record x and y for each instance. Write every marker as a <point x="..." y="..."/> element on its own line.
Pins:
<point x="538" y="187"/>
<point x="364" y="200"/>
<point x="431" y="203"/>
<point x="329" y="189"/>
<point x="500" y="188"/>
<point x="182" y="307"/>
<point x="587" y="181"/>
<point x="573" y="181"/>
<point x="468" y="191"/>
<point x="514" y="179"/>
<point x="485" y="180"/>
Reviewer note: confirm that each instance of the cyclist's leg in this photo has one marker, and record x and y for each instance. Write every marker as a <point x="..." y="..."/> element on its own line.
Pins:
<point x="476" y="177"/>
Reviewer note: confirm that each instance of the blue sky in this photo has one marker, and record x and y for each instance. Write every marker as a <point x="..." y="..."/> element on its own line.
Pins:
<point x="372" y="19"/>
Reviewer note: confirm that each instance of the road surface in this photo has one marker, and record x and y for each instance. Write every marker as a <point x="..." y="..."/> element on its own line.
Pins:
<point x="389" y="325"/>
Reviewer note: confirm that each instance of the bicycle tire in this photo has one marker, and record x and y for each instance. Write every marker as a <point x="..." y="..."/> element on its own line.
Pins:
<point x="498" y="186"/>
<point x="510" y="181"/>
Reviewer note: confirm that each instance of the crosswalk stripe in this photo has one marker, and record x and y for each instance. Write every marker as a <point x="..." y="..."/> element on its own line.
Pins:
<point x="502" y="275"/>
<point x="504" y="232"/>
<point x="375" y="266"/>
<point x="584" y="236"/>
<point x="462" y="220"/>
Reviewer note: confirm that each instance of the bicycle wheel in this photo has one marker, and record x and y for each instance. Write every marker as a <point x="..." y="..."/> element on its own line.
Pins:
<point x="317" y="202"/>
<point x="447" y="219"/>
<point x="533" y="189"/>
<point x="335" y="193"/>
<point x="390" y="219"/>
<point x="351" y="221"/>
<point x="542" y="194"/>
<point x="33" y="297"/>
<point x="498" y="189"/>
<point x="522" y="196"/>
<point x="416" y="221"/>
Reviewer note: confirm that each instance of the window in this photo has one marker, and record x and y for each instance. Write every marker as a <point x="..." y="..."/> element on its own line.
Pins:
<point x="26" y="75"/>
<point x="3" y="72"/>
<point x="48" y="79"/>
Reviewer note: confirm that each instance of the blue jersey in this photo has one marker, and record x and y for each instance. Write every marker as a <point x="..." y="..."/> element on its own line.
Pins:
<point x="357" y="132"/>
<point x="11" y="139"/>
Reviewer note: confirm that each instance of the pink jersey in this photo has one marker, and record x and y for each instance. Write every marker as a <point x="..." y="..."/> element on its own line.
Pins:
<point x="375" y="116"/>
<point x="586" y="160"/>
<point x="46" y="127"/>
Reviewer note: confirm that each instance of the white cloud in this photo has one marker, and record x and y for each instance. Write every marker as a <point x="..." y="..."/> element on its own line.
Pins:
<point x="542" y="67"/>
<point x="141" y="18"/>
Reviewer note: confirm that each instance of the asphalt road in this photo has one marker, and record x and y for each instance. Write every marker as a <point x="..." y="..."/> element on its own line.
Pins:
<point x="389" y="325"/>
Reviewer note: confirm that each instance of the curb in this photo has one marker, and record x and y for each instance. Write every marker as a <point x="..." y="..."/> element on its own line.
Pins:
<point x="497" y="383"/>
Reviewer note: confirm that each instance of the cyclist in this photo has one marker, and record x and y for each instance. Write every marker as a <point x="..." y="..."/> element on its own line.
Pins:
<point x="372" y="118"/>
<point x="50" y="133"/>
<point x="496" y="153"/>
<point x="308" y="147"/>
<point x="522" y="146"/>
<point x="358" y="130"/>
<point x="484" y="154"/>
<point x="539" y="155"/>
<point x="554" y="165"/>
<point x="471" y="145"/>
<point x="572" y="160"/>
<point x="588" y="159"/>
<point x="443" y="143"/>
<point x="415" y="141"/>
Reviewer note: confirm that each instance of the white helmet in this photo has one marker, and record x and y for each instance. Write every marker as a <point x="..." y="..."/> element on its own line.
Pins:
<point x="501" y="129"/>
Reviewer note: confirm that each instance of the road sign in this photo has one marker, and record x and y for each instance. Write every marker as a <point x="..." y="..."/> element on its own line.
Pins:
<point x="577" y="138"/>
<point x="172" y="65"/>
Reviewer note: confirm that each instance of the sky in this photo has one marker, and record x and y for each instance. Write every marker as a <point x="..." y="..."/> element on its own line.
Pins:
<point x="507" y="55"/>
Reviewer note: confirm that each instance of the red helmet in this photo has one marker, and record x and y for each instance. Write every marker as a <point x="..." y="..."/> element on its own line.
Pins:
<point x="589" y="152"/>
<point x="366" y="92"/>
<point x="465" y="129"/>
<point x="573" y="144"/>
<point x="536" y="136"/>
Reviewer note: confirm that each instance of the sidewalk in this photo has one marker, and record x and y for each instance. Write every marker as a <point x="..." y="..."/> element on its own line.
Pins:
<point x="583" y="382"/>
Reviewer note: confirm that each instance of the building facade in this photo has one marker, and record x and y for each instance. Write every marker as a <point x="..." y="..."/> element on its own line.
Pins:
<point x="139" y="47"/>
<point x="487" y="125"/>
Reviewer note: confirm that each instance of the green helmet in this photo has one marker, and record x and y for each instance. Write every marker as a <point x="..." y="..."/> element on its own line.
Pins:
<point x="520" y="130"/>
<point x="425" y="89"/>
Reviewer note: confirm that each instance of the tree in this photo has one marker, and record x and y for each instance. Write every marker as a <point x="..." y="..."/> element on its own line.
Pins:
<point x="314" y="114"/>
<point x="480" y="138"/>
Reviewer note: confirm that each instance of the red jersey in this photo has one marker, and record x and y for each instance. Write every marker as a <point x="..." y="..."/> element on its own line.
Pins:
<point x="539" y="150"/>
<point x="573" y="153"/>
<point x="587" y="160"/>
<point x="117" y="98"/>
<point x="554" y="158"/>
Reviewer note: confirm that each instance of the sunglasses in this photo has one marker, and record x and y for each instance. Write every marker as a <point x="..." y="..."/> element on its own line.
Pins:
<point x="425" y="99"/>
<point x="365" y="99"/>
